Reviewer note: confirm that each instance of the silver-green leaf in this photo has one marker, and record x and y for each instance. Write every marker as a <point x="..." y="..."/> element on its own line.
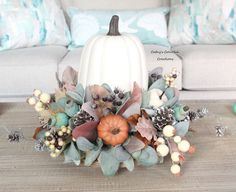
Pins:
<point x="148" y="157"/>
<point x="71" y="154"/>
<point x="109" y="164"/>
<point x="84" y="144"/>
<point x="129" y="164"/>
<point x="182" y="128"/>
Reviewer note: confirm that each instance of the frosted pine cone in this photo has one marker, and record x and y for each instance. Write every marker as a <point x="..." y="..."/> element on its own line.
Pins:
<point x="81" y="118"/>
<point x="162" y="117"/>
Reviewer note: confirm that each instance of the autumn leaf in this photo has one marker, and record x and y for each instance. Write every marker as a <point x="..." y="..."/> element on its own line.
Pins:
<point x="146" y="129"/>
<point x="87" y="130"/>
<point x="136" y="97"/>
<point x="69" y="78"/>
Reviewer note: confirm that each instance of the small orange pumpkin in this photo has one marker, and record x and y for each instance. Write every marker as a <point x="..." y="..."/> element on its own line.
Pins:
<point x="113" y="129"/>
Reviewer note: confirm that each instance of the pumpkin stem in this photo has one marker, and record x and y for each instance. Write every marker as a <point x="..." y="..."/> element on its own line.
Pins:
<point x="114" y="26"/>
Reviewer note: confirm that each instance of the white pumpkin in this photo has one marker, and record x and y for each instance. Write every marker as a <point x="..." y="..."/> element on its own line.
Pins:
<point x="115" y="59"/>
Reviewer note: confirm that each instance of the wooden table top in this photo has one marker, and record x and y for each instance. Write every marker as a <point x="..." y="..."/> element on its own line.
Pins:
<point x="211" y="168"/>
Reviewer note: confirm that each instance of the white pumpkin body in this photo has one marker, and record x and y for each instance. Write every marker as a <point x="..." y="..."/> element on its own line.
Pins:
<point x="118" y="61"/>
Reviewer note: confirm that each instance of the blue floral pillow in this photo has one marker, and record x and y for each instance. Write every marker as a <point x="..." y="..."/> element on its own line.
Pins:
<point x="27" y="23"/>
<point x="149" y="25"/>
<point x="202" y="22"/>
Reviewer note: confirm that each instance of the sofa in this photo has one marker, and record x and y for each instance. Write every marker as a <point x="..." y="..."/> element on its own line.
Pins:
<point x="207" y="71"/>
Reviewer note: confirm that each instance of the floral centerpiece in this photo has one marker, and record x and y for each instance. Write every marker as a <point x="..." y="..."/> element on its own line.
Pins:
<point x="112" y="127"/>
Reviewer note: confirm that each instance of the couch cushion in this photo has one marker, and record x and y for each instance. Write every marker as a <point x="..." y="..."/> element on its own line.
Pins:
<point x="208" y="67"/>
<point x="113" y="4"/>
<point x="23" y="70"/>
<point x="157" y="56"/>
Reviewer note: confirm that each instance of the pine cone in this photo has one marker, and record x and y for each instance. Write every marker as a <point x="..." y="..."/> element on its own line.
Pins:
<point x="162" y="117"/>
<point x="192" y="115"/>
<point x="81" y="118"/>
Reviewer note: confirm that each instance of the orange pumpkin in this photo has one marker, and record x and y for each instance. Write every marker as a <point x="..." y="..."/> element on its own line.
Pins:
<point x="113" y="129"/>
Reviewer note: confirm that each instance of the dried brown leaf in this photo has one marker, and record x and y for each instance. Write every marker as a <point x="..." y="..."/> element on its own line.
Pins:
<point x="146" y="129"/>
<point x="136" y="97"/>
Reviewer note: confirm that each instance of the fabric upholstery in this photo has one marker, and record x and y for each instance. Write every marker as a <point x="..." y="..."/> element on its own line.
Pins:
<point x="208" y="67"/>
<point x="23" y="70"/>
<point x="113" y="4"/>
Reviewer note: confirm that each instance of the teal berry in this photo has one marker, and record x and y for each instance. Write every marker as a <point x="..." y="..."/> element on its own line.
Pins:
<point x="181" y="112"/>
<point x="234" y="108"/>
<point x="59" y="120"/>
<point x="71" y="108"/>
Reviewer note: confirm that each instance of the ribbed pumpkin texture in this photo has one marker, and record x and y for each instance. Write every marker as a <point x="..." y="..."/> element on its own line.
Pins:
<point x="116" y="59"/>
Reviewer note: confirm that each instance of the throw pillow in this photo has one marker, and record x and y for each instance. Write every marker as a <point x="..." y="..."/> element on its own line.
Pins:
<point x="202" y="22"/>
<point x="149" y="25"/>
<point x="27" y="23"/>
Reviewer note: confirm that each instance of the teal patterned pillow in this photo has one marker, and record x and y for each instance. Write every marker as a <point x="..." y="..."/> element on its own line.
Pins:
<point x="27" y="23"/>
<point x="202" y="22"/>
<point x="149" y="25"/>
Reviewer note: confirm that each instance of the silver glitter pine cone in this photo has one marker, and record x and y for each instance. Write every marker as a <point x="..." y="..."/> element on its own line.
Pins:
<point x="162" y="117"/>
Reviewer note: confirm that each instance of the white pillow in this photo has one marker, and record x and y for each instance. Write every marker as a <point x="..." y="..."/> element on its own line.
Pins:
<point x="32" y="23"/>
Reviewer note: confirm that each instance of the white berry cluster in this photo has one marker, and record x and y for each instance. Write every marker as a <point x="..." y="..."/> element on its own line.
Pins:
<point x="39" y="100"/>
<point x="170" y="78"/>
<point x="176" y="146"/>
<point x="57" y="139"/>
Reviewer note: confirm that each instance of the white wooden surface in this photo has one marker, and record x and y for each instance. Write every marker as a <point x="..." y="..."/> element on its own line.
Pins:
<point x="212" y="168"/>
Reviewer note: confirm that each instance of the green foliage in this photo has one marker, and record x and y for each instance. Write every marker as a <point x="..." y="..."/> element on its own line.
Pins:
<point x="84" y="144"/>
<point x="182" y="128"/>
<point x="159" y="84"/>
<point x="120" y="153"/>
<point x="148" y="157"/>
<point x="129" y="164"/>
<point x="109" y="164"/>
<point x="93" y="154"/>
<point x="72" y="154"/>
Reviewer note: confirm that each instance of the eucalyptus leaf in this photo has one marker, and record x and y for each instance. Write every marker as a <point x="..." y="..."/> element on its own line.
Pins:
<point x="170" y="93"/>
<point x="145" y="99"/>
<point x="159" y="84"/>
<point x="148" y="157"/>
<point x="136" y="154"/>
<point x="75" y="96"/>
<point x="84" y="144"/>
<point x="92" y="155"/>
<point x="109" y="164"/>
<point x="120" y="153"/>
<point x="72" y="154"/>
<point x="150" y="112"/>
<point x="182" y="128"/>
<point x="80" y="90"/>
<point x="172" y="102"/>
<point x="107" y="87"/>
<point x="129" y="164"/>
